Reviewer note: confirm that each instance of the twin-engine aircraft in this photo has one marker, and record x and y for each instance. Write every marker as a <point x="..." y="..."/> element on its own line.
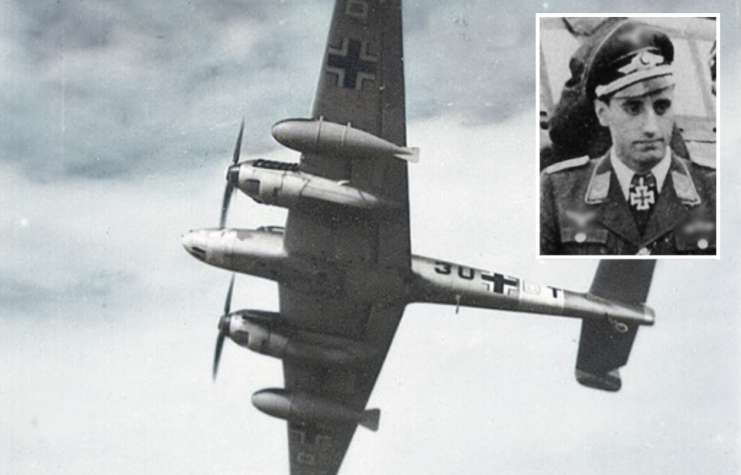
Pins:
<point x="343" y="262"/>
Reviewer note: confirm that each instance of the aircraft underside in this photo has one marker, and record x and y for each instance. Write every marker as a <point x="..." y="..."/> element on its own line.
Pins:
<point x="340" y="307"/>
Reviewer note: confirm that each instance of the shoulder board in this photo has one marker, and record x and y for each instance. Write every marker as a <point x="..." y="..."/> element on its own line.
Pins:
<point x="702" y="154"/>
<point x="567" y="164"/>
<point x="706" y="165"/>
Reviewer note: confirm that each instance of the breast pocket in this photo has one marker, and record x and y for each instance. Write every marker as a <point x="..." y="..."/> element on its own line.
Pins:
<point x="696" y="237"/>
<point x="589" y="241"/>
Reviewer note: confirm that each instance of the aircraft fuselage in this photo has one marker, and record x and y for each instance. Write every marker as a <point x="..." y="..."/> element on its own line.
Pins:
<point x="427" y="280"/>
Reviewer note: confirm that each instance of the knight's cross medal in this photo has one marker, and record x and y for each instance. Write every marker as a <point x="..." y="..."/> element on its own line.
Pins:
<point x="642" y="197"/>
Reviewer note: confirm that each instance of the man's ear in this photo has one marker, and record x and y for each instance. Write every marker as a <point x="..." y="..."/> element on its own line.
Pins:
<point x="600" y="110"/>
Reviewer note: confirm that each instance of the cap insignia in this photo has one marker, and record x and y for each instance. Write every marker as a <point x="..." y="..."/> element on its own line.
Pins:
<point x="641" y="62"/>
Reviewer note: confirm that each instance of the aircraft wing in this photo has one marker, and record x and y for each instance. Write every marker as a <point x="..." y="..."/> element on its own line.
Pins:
<point x="361" y="83"/>
<point x="604" y="346"/>
<point x="319" y="449"/>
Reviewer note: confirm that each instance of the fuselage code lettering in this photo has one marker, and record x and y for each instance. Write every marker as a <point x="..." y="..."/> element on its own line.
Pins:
<point x="497" y="283"/>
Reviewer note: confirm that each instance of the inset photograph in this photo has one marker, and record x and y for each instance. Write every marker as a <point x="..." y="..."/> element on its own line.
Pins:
<point x="628" y="149"/>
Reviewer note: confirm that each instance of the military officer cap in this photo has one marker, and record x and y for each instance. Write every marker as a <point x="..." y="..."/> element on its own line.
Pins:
<point x="633" y="60"/>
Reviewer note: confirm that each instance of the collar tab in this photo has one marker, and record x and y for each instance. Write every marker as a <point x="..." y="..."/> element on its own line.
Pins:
<point x="685" y="188"/>
<point x="599" y="187"/>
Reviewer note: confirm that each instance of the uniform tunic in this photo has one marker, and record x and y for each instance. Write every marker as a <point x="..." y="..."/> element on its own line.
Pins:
<point x="583" y="211"/>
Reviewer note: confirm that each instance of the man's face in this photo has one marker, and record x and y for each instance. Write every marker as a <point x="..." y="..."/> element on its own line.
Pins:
<point x="641" y="126"/>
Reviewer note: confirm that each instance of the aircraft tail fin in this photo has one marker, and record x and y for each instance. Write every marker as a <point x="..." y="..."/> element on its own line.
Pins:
<point x="605" y="345"/>
<point x="370" y="419"/>
<point x="410" y="154"/>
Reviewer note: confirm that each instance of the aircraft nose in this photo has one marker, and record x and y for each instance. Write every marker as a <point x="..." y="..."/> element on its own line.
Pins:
<point x="232" y="175"/>
<point x="196" y="244"/>
<point x="224" y="323"/>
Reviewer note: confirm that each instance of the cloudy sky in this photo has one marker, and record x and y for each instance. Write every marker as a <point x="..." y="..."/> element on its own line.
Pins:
<point x="118" y="121"/>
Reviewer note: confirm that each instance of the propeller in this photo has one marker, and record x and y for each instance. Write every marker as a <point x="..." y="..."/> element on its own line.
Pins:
<point x="223" y="326"/>
<point x="229" y="190"/>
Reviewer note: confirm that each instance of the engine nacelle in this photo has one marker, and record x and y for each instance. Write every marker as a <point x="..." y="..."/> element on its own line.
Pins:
<point x="306" y="409"/>
<point x="337" y="141"/>
<point x="261" y="332"/>
<point x="253" y="329"/>
<point x="282" y="184"/>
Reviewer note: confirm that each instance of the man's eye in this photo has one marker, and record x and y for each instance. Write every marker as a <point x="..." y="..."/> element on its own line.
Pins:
<point x="633" y="108"/>
<point x="662" y="105"/>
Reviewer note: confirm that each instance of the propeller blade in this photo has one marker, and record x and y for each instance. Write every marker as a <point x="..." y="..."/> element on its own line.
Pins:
<point x="217" y="353"/>
<point x="238" y="147"/>
<point x="228" y="302"/>
<point x="228" y="192"/>
<point x="223" y="326"/>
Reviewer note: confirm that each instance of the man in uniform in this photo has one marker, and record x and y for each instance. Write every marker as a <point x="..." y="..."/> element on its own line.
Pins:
<point x="640" y="197"/>
<point x="573" y="128"/>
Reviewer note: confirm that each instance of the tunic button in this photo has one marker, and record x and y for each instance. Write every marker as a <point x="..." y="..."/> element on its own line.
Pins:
<point x="644" y="252"/>
<point x="580" y="237"/>
<point x="702" y="243"/>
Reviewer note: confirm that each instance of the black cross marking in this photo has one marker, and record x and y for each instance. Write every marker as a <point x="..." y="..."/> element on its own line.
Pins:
<point x="351" y="64"/>
<point x="499" y="281"/>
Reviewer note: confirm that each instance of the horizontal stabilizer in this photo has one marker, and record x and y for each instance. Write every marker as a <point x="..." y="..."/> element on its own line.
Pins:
<point x="602" y="350"/>
<point x="410" y="154"/>
<point x="627" y="281"/>
<point x="607" y="382"/>
<point x="370" y="419"/>
<point x="605" y="344"/>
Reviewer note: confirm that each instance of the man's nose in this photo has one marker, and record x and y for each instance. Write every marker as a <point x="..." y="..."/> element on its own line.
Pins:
<point x="651" y="123"/>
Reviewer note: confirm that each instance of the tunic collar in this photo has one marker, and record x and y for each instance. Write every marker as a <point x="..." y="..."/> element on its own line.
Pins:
<point x="599" y="183"/>
<point x="625" y="174"/>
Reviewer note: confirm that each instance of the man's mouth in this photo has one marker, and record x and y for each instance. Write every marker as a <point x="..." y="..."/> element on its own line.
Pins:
<point x="655" y="143"/>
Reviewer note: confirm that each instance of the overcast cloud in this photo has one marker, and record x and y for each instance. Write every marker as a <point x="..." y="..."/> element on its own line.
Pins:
<point x="118" y="120"/>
